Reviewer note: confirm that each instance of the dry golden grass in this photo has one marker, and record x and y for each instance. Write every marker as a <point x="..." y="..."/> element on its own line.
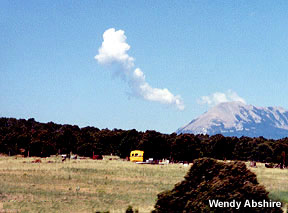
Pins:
<point x="275" y="181"/>
<point x="83" y="185"/>
<point x="105" y="185"/>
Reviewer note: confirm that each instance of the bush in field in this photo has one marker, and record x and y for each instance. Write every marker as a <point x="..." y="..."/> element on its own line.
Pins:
<point x="208" y="180"/>
<point x="130" y="210"/>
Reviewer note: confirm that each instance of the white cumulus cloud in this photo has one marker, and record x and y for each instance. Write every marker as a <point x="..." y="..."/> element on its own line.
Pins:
<point x="219" y="97"/>
<point x="164" y="96"/>
<point x="114" y="51"/>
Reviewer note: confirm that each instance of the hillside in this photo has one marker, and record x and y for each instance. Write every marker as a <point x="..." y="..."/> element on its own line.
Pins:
<point x="238" y="119"/>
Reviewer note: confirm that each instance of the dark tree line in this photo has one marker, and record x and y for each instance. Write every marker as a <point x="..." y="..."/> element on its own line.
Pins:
<point x="18" y="136"/>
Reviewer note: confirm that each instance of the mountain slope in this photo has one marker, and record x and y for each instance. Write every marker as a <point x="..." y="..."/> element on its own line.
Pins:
<point x="238" y="119"/>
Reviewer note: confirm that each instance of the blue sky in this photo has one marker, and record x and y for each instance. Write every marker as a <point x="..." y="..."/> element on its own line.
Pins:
<point x="203" y="51"/>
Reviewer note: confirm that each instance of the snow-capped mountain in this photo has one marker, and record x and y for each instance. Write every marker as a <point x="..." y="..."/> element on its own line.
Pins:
<point x="239" y="119"/>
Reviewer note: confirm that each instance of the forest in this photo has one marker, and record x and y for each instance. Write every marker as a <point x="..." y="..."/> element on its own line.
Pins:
<point x="20" y="136"/>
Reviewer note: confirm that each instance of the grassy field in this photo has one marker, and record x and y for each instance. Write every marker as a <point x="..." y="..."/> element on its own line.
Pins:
<point x="83" y="185"/>
<point x="275" y="181"/>
<point x="104" y="185"/>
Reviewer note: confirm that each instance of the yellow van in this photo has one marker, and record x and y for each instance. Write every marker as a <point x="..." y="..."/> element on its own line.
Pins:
<point x="136" y="156"/>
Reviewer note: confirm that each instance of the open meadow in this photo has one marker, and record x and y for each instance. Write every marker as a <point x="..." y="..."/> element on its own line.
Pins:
<point x="275" y="181"/>
<point x="83" y="185"/>
<point x="99" y="185"/>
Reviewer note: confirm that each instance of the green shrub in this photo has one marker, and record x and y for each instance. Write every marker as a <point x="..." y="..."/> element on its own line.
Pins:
<point x="129" y="209"/>
<point x="208" y="180"/>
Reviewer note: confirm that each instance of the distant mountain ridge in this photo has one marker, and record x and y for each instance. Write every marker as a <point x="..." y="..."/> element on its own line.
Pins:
<point x="239" y="119"/>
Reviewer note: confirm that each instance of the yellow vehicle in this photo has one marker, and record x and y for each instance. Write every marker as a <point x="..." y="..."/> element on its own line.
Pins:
<point x="136" y="156"/>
